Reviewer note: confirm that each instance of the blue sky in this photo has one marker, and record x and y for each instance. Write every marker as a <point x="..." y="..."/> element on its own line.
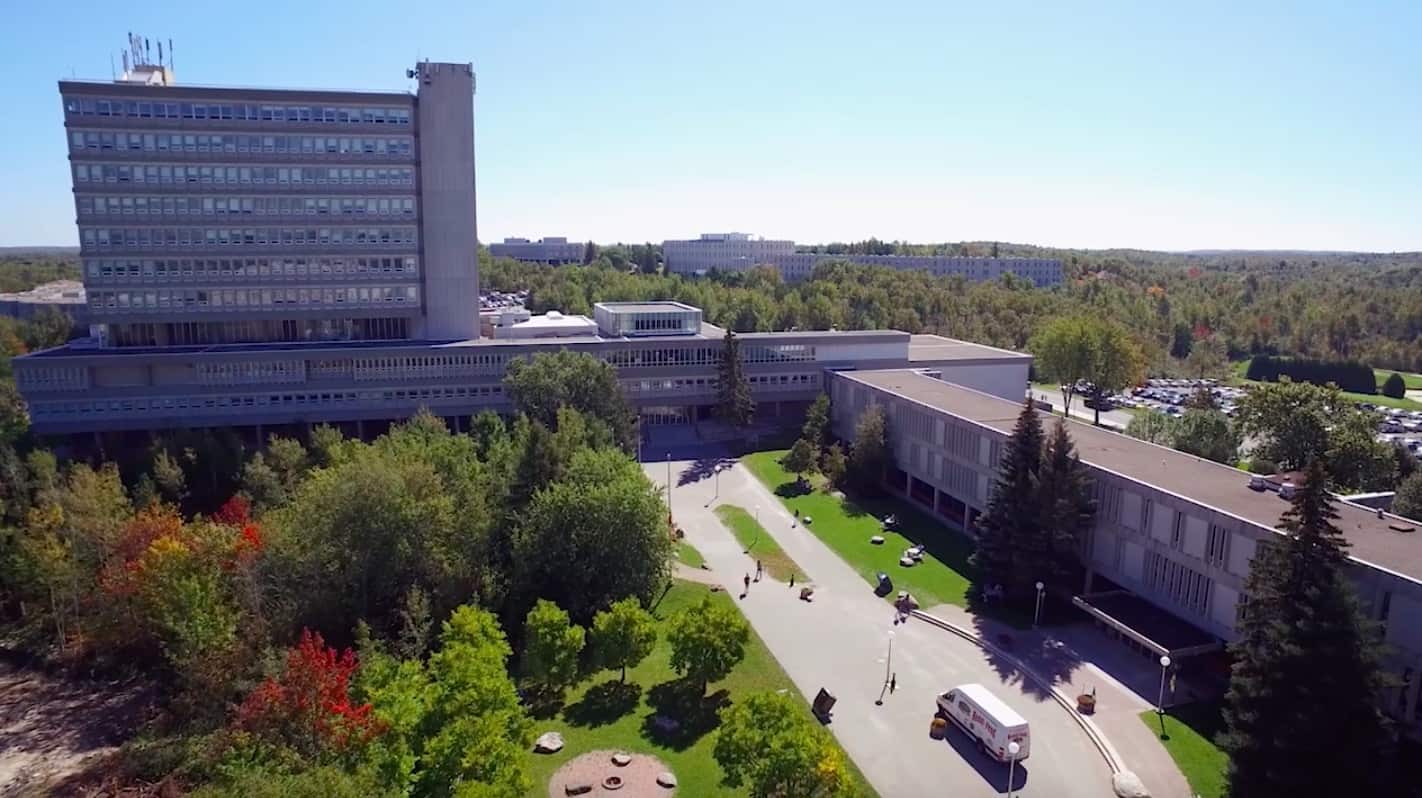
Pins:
<point x="1170" y="126"/>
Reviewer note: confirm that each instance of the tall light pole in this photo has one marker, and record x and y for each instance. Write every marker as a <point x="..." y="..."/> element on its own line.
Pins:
<point x="755" y="539"/>
<point x="718" y="483"/>
<point x="1160" y="700"/>
<point x="1013" y="748"/>
<point x="669" y="486"/>
<point x="888" y="663"/>
<point x="1037" y="616"/>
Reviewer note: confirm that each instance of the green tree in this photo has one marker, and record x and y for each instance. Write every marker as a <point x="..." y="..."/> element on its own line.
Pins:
<point x="800" y="458"/>
<point x="551" y="647"/>
<point x="1158" y="428"/>
<point x="1394" y="386"/>
<point x="1013" y="515"/>
<point x="478" y="731"/>
<point x="1356" y="459"/>
<point x="540" y="386"/>
<point x="1408" y="500"/>
<point x="835" y="465"/>
<point x="1062" y="352"/>
<point x="593" y="538"/>
<point x="1290" y="419"/>
<point x="1208" y="358"/>
<point x="768" y="745"/>
<point x="817" y="424"/>
<point x="734" y="402"/>
<point x="1116" y="361"/>
<point x="1064" y="494"/>
<point x="50" y="327"/>
<point x="170" y="478"/>
<point x="14" y="414"/>
<point x="707" y="641"/>
<point x="1207" y="434"/>
<point x="1305" y="659"/>
<point x="623" y="635"/>
<point x="870" y="455"/>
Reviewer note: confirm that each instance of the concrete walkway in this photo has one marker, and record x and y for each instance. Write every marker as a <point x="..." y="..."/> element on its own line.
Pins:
<point x="841" y="641"/>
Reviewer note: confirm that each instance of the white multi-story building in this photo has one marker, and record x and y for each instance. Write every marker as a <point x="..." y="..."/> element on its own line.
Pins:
<point x="735" y="252"/>
<point x="1168" y="557"/>
<point x="556" y="250"/>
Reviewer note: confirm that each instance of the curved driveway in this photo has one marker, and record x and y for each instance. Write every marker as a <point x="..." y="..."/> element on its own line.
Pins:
<point x="841" y="642"/>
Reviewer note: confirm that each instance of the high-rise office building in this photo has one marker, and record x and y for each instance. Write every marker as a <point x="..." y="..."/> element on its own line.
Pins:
<point x="222" y="215"/>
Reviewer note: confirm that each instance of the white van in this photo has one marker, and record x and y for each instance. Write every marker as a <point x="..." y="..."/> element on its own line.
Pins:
<point x="987" y="719"/>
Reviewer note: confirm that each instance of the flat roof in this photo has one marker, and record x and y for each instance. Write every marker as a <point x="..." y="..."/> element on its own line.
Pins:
<point x="658" y="306"/>
<point x="989" y="702"/>
<point x="1373" y="540"/>
<point x="934" y="348"/>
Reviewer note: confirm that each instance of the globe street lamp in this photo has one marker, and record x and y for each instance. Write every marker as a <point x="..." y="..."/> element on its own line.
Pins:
<point x="1160" y="700"/>
<point x="1012" y="750"/>
<point x="1037" y="616"/>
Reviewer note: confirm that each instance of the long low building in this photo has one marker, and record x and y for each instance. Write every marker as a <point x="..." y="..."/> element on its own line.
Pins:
<point x="1167" y="559"/>
<point x="666" y="357"/>
<point x="555" y="250"/>
<point x="738" y="252"/>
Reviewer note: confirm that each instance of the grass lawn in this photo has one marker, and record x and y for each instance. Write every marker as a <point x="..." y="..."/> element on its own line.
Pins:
<point x="602" y="713"/>
<point x="759" y="543"/>
<point x="688" y="555"/>
<point x="1189" y="738"/>
<point x="846" y="526"/>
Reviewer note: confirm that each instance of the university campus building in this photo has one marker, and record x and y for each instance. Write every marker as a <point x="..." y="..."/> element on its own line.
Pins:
<point x="1167" y="559"/>
<point x="738" y="252"/>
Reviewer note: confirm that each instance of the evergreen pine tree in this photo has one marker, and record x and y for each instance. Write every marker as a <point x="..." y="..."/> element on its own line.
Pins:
<point x="734" y="402"/>
<point x="1301" y="711"/>
<point x="1067" y="511"/>
<point x="1012" y="510"/>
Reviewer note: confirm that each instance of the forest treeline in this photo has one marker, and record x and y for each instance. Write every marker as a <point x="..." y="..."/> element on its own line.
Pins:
<point x="1358" y="307"/>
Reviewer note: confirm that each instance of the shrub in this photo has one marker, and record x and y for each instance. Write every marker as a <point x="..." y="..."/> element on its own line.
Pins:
<point x="1394" y="386"/>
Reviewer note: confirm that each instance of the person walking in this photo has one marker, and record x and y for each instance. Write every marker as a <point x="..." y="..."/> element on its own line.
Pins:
<point x="747" y="584"/>
<point x="759" y="570"/>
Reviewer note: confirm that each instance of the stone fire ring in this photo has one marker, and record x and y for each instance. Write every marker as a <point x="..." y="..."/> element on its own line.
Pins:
<point x="597" y="771"/>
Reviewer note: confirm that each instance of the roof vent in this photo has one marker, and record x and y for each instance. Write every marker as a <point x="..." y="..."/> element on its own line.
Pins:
<point x="1401" y="527"/>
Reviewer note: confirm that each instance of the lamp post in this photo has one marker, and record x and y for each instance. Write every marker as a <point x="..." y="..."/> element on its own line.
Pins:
<point x="888" y="664"/>
<point x="718" y="483"/>
<point x="1160" y="700"/>
<point x="755" y="539"/>
<point x="1013" y="748"/>
<point x="1037" y="616"/>
<point x="669" y="486"/>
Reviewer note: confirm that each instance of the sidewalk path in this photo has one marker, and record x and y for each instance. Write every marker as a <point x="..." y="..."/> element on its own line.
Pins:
<point x="841" y="642"/>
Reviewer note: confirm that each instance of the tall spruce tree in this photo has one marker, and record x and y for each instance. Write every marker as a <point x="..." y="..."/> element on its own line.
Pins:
<point x="1067" y="509"/>
<point x="734" y="403"/>
<point x="1301" y="711"/>
<point x="1012" y="512"/>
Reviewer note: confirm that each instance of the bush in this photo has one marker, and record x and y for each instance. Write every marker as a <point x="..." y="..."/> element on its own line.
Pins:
<point x="1394" y="386"/>
<point x="1348" y="375"/>
<point x="1259" y="465"/>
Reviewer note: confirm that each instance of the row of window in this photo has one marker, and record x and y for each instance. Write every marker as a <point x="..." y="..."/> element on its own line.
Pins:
<point x="170" y="175"/>
<point x="245" y="298"/>
<point x="53" y="378"/>
<point x="80" y="140"/>
<point x="251" y="372"/>
<point x="247" y="206"/>
<point x="255" y="331"/>
<point x="237" y="112"/>
<point x="151" y="237"/>
<point x="1183" y="586"/>
<point x="220" y="404"/>
<point x="146" y="270"/>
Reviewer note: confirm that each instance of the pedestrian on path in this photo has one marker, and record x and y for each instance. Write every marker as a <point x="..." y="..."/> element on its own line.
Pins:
<point x="759" y="570"/>
<point x="893" y="683"/>
<point x="747" y="585"/>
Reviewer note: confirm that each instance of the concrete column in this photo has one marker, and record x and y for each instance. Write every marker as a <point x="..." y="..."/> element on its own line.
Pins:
<point x="967" y="515"/>
<point x="936" y="496"/>
<point x="360" y="429"/>
<point x="261" y="439"/>
<point x="1086" y="583"/>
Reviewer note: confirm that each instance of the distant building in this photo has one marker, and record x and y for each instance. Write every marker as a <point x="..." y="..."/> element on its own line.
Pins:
<point x="556" y="250"/>
<point x="735" y="252"/>
<point x="65" y="295"/>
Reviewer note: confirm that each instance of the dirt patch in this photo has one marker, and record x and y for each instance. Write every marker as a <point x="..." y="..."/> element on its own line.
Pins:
<point x="53" y="727"/>
<point x="639" y="777"/>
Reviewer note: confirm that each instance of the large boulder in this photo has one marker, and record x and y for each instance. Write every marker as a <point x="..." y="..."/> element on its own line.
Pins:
<point x="548" y="743"/>
<point x="1129" y="785"/>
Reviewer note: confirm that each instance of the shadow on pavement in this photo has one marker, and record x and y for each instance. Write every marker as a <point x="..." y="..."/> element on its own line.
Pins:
<point x="992" y="771"/>
<point x="704" y="467"/>
<point x="1047" y="656"/>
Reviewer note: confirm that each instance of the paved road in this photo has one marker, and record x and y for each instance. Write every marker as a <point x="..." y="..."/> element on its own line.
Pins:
<point x="841" y="642"/>
<point x="1116" y="419"/>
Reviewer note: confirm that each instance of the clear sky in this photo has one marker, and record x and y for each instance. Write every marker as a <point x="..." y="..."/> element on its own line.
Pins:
<point x="1142" y="124"/>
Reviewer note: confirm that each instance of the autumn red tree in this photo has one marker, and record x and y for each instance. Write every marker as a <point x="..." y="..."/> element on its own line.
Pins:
<point x="308" y="707"/>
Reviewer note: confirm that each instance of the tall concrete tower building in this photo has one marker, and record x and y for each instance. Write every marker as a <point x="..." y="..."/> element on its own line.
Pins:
<point x="226" y="215"/>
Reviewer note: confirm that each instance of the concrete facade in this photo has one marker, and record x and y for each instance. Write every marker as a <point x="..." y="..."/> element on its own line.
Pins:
<point x="555" y="250"/>
<point x="736" y="252"/>
<point x="1173" y="530"/>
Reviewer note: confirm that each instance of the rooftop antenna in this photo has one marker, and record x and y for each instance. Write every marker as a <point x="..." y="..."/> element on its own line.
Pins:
<point x="125" y="62"/>
<point x="170" y="53"/>
<point x="112" y="74"/>
<point x="160" y="52"/>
